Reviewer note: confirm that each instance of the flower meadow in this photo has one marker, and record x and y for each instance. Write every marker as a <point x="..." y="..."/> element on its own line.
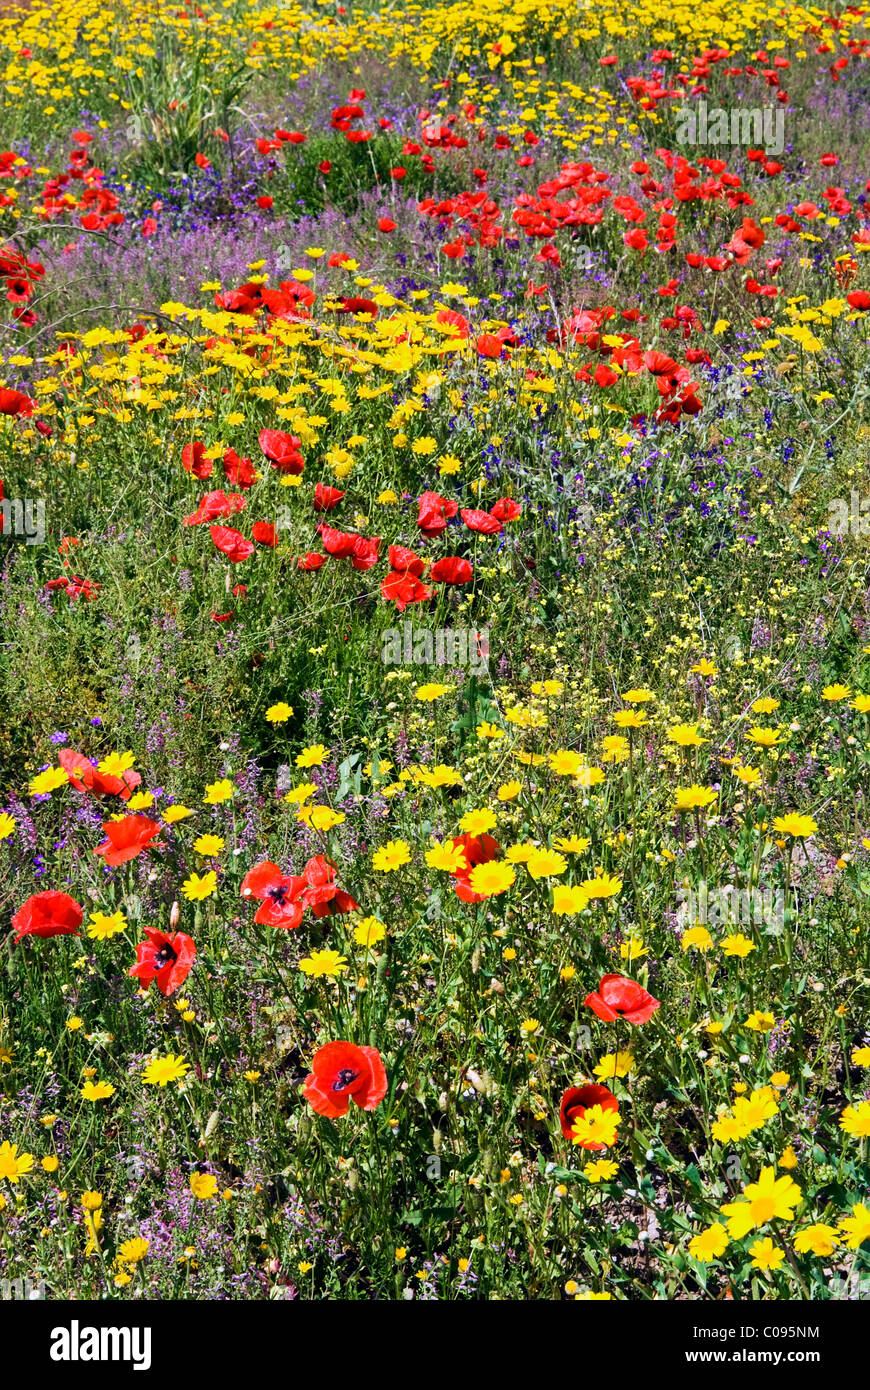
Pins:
<point x="435" y="627"/>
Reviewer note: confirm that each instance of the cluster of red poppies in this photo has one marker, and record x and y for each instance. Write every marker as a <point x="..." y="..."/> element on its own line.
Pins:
<point x="97" y="207"/>
<point x="74" y="586"/>
<point x="282" y="451"/>
<point x="283" y="898"/>
<point x="341" y="1071"/>
<point x="404" y="583"/>
<point x="617" y="997"/>
<point x="20" y="274"/>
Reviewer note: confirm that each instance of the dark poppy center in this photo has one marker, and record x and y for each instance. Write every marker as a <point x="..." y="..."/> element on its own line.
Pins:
<point x="344" y="1079"/>
<point x="165" y="956"/>
<point x="279" y="894"/>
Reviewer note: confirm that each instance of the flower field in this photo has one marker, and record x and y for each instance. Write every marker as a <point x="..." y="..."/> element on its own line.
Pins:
<point x="435" y="630"/>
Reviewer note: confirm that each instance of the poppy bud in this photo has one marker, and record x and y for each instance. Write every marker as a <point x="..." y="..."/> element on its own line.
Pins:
<point x="174" y="915"/>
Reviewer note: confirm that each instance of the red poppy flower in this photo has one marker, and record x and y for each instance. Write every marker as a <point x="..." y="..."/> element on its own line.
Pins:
<point x="365" y="552"/>
<point x="605" y="376"/>
<point x="325" y="497"/>
<point x="127" y="838"/>
<point x="619" y="997"/>
<point x="48" y="914"/>
<point x="215" y="504"/>
<point x="574" y="1104"/>
<point x="231" y="543"/>
<point x="354" y="304"/>
<point x="278" y="893"/>
<point x="265" y="533"/>
<point x="240" y="471"/>
<point x="84" y="777"/>
<point x="505" y="509"/>
<point x="476" y="849"/>
<point x="386" y="224"/>
<point x="194" y="460"/>
<point x="236" y="302"/>
<point x="659" y="364"/>
<point x="403" y="588"/>
<point x="14" y="403"/>
<point x="488" y="345"/>
<point x="311" y="561"/>
<point x="282" y="451"/>
<point x="321" y="892"/>
<point x="434" y="512"/>
<point x="401" y="558"/>
<point x="341" y="1072"/>
<point x="18" y="291"/>
<point x="452" y="570"/>
<point x="290" y="301"/>
<point x="166" y="959"/>
<point x="341" y="544"/>
<point x="480" y="521"/>
<point x="858" y="299"/>
<point x="455" y="322"/>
